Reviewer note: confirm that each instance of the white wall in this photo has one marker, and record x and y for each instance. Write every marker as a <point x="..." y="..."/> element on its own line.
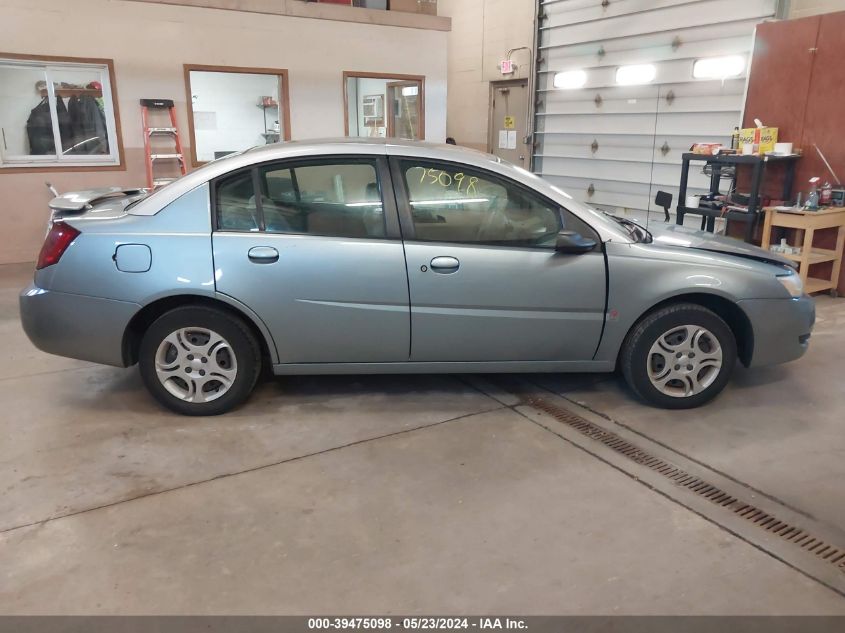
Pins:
<point x="804" y="8"/>
<point x="482" y="33"/>
<point x="150" y="42"/>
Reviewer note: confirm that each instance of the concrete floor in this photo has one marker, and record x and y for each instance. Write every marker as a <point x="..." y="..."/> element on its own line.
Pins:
<point x="382" y="494"/>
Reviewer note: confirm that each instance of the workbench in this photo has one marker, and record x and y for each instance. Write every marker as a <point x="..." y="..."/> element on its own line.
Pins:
<point x="809" y="222"/>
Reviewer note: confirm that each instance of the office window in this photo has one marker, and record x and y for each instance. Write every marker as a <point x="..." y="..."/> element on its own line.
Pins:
<point x="381" y="105"/>
<point x="232" y="109"/>
<point x="57" y="113"/>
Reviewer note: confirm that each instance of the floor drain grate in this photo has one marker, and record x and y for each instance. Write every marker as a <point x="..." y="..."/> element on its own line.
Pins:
<point x="772" y="524"/>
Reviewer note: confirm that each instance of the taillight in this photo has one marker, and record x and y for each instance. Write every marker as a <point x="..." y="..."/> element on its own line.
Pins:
<point x="58" y="239"/>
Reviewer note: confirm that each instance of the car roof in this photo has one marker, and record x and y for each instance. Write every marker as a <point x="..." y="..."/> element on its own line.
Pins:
<point x="310" y="148"/>
<point x="346" y="144"/>
<point x="438" y="152"/>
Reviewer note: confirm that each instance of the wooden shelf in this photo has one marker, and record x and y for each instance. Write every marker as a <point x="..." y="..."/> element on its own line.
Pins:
<point x="74" y="92"/>
<point x="809" y="222"/>
<point x="817" y="285"/>
<point x="817" y="256"/>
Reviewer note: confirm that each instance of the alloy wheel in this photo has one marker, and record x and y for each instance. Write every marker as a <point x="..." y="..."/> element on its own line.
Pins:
<point x="684" y="361"/>
<point x="196" y="364"/>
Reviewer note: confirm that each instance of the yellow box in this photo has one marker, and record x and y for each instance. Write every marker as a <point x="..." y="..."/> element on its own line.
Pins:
<point x="765" y="137"/>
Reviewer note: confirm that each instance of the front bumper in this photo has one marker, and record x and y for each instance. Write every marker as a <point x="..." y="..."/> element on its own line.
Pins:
<point x="781" y="328"/>
<point x="76" y="326"/>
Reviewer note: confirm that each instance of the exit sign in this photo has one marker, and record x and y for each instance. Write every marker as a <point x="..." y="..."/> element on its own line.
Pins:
<point x="507" y="67"/>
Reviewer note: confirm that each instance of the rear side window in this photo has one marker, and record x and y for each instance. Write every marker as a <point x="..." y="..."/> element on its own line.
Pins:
<point x="236" y="206"/>
<point x="336" y="199"/>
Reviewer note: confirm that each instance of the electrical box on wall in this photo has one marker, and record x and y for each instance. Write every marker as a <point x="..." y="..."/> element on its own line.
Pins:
<point x="507" y="67"/>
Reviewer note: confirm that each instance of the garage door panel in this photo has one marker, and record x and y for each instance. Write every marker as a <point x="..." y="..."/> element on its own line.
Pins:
<point x="617" y="195"/>
<point x="604" y="152"/>
<point x="664" y="174"/>
<point x="647" y="40"/>
<point x="637" y="148"/>
<point x="684" y="16"/>
<point x="601" y="78"/>
<point x="598" y="168"/>
<point x="705" y="123"/>
<point x="587" y="10"/>
<point x="605" y="193"/>
<point x="640" y="132"/>
<point x="567" y="58"/>
<point x="608" y="123"/>
<point x="713" y="103"/>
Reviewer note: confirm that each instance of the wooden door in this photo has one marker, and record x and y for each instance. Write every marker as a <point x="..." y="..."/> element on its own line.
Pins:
<point x="404" y="110"/>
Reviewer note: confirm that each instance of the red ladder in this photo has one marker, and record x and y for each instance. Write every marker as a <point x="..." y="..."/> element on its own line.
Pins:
<point x="149" y="132"/>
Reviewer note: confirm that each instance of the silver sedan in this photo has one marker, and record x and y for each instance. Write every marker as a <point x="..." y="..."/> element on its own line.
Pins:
<point x="347" y="256"/>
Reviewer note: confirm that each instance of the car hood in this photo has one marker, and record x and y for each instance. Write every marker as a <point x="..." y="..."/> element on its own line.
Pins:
<point x="674" y="235"/>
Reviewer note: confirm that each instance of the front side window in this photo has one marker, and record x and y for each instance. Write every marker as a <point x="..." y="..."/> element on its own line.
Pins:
<point x="57" y="114"/>
<point x="334" y="199"/>
<point x="453" y="204"/>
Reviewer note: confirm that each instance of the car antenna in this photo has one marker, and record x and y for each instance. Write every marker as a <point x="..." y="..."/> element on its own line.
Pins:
<point x="52" y="189"/>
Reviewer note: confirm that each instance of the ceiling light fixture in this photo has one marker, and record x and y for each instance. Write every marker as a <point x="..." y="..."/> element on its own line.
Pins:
<point x="718" y="67"/>
<point x="635" y="74"/>
<point x="570" y="80"/>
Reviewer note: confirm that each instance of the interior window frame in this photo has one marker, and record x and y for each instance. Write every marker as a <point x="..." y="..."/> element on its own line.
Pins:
<point x="383" y="176"/>
<point x="400" y="77"/>
<point x="284" y="99"/>
<point x="403" y="202"/>
<point x="113" y="161"/>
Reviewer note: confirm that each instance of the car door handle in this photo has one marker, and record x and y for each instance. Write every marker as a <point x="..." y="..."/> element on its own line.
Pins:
<point x="445" y="265"/>
<point x="263" y="255"/>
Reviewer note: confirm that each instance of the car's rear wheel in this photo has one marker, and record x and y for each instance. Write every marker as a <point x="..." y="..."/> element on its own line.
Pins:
<point x="679" y="357"/>
<point x="199" y="360"/>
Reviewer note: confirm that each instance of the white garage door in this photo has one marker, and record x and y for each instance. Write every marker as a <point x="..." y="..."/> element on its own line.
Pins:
<point x="615" y="146"/>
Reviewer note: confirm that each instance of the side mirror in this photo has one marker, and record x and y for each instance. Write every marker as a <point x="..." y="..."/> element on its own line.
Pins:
<point x="573" y="243"/>
<point x="664" y="199"/>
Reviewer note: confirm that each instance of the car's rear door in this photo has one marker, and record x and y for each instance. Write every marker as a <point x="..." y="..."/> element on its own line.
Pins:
<point x="486" y="283"/>
<point x="314" y="249"/>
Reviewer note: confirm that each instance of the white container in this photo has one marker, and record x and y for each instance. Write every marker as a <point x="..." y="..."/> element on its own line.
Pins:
<point x="692" y="202"/>
<point x="783" y="149"/>
<point x="747" y="149"/>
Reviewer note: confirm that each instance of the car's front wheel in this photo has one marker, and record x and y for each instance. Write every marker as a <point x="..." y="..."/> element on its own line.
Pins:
<point x="199" y="360"/>
<point x="679" y="356"/>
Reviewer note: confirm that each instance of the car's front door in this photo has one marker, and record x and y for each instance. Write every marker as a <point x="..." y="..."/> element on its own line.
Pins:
<point x="485" y="280"/>
<point x="314" y="250"/>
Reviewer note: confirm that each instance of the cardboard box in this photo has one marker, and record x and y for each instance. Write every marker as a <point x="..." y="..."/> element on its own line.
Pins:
<point x="428" y="7"/>
<point x="765" y="137"/>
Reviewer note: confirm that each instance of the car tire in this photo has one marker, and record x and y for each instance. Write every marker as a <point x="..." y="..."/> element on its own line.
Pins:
<point x="679" y="356"/>
<point x="199" y="360"/>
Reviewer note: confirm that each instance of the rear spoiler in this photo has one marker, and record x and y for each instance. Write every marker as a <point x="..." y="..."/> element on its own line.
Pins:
<point x="81" y="200"/>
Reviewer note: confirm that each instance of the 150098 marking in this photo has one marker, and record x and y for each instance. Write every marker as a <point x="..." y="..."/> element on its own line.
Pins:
<point x="445" y="179"/>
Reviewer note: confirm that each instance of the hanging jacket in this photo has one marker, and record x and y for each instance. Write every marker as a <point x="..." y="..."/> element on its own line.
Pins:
<point x="74" y="111"/>
<point x="88" y="125"/>
<point x="39" y="128"/>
